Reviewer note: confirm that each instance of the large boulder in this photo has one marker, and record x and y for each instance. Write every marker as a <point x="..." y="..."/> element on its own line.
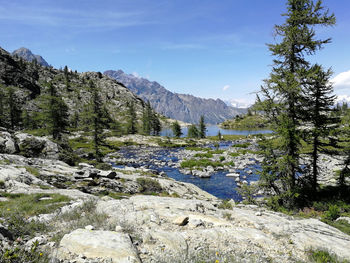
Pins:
<point x="39" y="147"/>
<point x="104" y="245"/>
<point x="7" y="143"/>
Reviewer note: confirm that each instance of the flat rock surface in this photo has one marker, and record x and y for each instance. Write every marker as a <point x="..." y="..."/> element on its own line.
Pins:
<point x="105" y="245"/>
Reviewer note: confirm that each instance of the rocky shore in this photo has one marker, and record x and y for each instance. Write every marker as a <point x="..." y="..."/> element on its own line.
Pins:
<point x="130" y="214"/>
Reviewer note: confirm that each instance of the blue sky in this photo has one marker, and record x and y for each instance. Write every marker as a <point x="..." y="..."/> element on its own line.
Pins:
<point x="210" y="49"/>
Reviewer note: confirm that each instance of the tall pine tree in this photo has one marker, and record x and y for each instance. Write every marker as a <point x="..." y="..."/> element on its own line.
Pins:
<point x="283" y="90"/>
<point x="202" y="127"/>
<point x="319" y="102"/>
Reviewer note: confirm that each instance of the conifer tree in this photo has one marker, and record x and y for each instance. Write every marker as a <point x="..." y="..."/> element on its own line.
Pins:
<point x="56" y="113"/>
<point x="131" y="125"/>
<point x="97" y="119"/>
<point x="319" y="102"/>
<point x="193" y="131"/>
<point x="14" y="108"/>
<point x="283" y="90"/>
<point x="156" y="126"/>
<point x="2" y="107"/>
<point x="146" y="119"/>
<point x="176" y="128"/>
<point x="202" y="127"/>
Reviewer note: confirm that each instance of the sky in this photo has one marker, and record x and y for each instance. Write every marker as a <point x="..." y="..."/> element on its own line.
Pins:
<point x="207" y="48"/>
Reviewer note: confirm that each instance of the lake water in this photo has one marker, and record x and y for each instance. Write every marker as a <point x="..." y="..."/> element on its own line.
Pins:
<point x="213" y="130"/>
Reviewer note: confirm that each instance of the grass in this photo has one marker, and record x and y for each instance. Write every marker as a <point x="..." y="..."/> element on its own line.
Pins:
<point x="242" y="145"/>
<point x="247" y="122"/>
<point x="33" y="204"/>
<point x="200" y="163"/>
<point x="34" y="171"/>
<point x="323" y="256"/>
<point x="225" y="204"/>
<point x="19" y="207"/>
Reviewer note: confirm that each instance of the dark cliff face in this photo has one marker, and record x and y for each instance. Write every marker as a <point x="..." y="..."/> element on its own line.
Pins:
<point x="27" y="55"/>
<point x="182" y="107"/>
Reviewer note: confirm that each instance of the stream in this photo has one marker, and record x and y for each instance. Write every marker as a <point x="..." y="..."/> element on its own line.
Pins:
<point x="166" y="160"/>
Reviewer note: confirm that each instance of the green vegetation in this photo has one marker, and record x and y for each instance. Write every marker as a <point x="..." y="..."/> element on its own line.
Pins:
<point x="19" y="207"/>
<point x="225" y="204"/>
<point x="323" y="256"/>
<point x="288" y="107"/>
<point x="242" y="145"/>
<point x="148" y="185"/>
<point x="247" y="122"/>
<point x="192" y="163"/>
<point x="20" y="255"/>
<point x="176" y="128"/>
<point x="34" y="171"/>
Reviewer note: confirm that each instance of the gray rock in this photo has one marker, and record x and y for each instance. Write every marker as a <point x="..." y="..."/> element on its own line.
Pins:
<point x="105" y="245"/>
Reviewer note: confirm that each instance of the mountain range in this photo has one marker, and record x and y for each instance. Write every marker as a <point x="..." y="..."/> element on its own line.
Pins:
<point x="182" y="107"/>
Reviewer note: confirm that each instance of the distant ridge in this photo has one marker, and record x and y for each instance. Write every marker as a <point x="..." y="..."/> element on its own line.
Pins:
<point x="182" y="107"/>
<point x="27" y="55"/>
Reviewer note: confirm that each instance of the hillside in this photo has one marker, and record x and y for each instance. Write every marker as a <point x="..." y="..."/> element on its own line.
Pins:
<point x="182" y="107"/>
<point x="31" y="83"/>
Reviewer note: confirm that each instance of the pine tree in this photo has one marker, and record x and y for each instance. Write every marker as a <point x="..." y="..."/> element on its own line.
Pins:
<point x="56" y="113"/>
<point x="2" y="107"/>
<point x="319" y="103"/>
<point x="156" y="126"/>
<point x="176" y="128"/>
<point x="202" y="127"/>
<point x="146" y="119"/>
<point x="193" y="131"/>
<point x="96" y="119"/>
<point x="14" y="108"/>
<point x="283" y="90"/>
<point x="131" y="125"/>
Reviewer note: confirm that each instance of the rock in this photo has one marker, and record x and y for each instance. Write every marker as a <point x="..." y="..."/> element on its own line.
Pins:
<point x="40" y="240"/>
<point x="118" y="229"/>
<point x="232" y="175"/>
<point x="7" y="143"/>
<point x="195" y="223"/>
<point x="4" y="233"/>
<point x="105" y="245"/>
<point x="181" y="220"/>
<point x="345" y="218"/>
<point x="89" y="227"/>
<point x="258" y="213"/>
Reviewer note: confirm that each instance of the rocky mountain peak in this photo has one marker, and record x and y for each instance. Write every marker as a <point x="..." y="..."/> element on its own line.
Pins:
<point x="187" y="108"/>
<point x="27" y="55"/>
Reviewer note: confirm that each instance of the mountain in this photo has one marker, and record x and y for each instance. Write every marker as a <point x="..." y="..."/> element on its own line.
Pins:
<point x="27" y="55"/>
<point x="182" y="107"/>
<point x="238" y="103"/>
<point x="31" y="82"/>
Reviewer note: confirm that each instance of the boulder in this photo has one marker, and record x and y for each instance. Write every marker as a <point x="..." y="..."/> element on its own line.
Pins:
<point x="7" y="143"/>
<point x="106" y="245"/>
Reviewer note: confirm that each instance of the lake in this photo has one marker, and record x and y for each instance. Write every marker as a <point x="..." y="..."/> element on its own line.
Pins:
<point x="213" y="130"/>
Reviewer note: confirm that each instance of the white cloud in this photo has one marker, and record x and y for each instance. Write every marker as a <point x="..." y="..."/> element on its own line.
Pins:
<point x="342" y="81"/>
<point x="226" y="87"/>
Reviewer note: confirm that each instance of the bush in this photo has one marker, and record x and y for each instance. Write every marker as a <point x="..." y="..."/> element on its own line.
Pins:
<point x="332" y="214"/>
<point x="103" y="166"/>
<point x="148" y="185"/>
